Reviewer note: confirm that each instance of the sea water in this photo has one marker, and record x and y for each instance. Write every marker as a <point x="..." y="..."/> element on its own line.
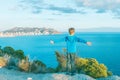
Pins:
<point x="105" y="48"/>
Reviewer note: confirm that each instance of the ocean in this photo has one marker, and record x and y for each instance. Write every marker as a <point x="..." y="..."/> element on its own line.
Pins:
<point x="105" y="48"/>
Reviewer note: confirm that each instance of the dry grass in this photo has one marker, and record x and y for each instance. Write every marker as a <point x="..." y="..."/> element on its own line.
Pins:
<point x="24" y="65"/>
<point x="3" y="62"/>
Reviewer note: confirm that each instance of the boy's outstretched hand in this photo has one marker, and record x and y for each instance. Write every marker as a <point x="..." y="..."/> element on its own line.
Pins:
<point x="51" y="42"/>
<point x="89" y="43"/>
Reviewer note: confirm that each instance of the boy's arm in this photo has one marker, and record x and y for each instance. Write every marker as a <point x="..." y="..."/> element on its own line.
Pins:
<point x="89" y="43"/>
<point x="84" y="41"/>
<point x="57" y="41"/>
<point x="52" y="42"/>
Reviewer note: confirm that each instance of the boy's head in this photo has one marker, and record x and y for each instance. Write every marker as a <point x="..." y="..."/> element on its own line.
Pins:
<point x="71" y="31"/>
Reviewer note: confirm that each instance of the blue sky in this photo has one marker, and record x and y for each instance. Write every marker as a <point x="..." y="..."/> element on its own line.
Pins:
<point x="59" y="14"/>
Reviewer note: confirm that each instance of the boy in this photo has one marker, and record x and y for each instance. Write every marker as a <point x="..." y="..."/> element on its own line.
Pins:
<point x="71" y="41"/>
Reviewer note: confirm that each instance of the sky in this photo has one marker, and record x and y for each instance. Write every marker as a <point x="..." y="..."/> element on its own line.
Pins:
<point x="60" y="14"/>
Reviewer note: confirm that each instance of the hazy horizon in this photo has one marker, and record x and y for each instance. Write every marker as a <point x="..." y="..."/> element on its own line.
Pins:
<point x="99" y="29"/>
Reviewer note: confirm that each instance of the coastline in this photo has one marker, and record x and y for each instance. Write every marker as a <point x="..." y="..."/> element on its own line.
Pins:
<point x="26" y="35"/>
<point x="7" y="36"/>
<point x="26" y="31"/>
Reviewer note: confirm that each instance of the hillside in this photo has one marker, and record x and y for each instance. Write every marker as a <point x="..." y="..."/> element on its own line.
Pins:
<point x="25" y="31"/>
<point x="28" y="29"/>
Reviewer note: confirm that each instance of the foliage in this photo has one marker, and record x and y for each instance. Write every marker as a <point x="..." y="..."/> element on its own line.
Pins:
<point x="1" y="54"/>
<point x="19" y="54"/>
<point x="24" y="65"/>
<point x="17" y="58"/>
<point x="37" y="67"/>
<point x="9" y="50"/>
<point x="62" y="62"/>
<point x="12" y="52"/>
<point x="3" y="62"/>
<point x="51" y="70"/>
<point x="110" y="73"/>
<point x="89" y="66"/>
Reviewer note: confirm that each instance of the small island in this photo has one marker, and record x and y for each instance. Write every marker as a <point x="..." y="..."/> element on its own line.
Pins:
<point x="27" y="31"/>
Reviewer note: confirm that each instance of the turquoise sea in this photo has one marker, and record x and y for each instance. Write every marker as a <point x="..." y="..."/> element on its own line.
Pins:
<point x="105" y="48"/>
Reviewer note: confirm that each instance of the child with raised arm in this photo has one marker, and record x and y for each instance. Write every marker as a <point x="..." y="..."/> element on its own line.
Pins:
<point x="71" y="41"/>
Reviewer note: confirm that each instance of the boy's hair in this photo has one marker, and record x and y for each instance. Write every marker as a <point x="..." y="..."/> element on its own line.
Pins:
<point x="71" y="29"/>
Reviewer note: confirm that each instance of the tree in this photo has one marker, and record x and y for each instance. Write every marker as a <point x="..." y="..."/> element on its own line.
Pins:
<point x="19" y="54"/>
<point x="9" y="50"/>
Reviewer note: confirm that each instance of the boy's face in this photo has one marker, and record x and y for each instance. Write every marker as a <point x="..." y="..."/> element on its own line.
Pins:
<point x="72" y="32"/>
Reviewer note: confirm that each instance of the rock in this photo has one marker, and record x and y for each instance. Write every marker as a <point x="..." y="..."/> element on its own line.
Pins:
<point x="110" y="78"/>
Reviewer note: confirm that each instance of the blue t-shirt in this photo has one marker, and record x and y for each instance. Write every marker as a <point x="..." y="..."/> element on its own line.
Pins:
<point x="71" y="42"/>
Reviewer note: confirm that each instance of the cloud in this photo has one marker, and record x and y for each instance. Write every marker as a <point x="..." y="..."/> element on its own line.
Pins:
<point x="100" y="6"/>
<point x="36" y="6"/>
<point x="33" y="5"/>
<point x="63" y="9"/>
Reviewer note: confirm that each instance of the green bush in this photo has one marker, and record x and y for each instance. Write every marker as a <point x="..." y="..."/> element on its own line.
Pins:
<point x="1" y="54"/>
<point x="89" y="66"/>
<point x="51" y="70"/>
<point x="11" y="52"/>
<point x="19" y="54"/>
<point x="38" y="62"/>
<point x="8" y="50"/>
<point x="37" y="67"/>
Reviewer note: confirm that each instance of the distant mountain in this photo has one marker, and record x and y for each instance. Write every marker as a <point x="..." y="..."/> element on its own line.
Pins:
<point x="28" y="29"/>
